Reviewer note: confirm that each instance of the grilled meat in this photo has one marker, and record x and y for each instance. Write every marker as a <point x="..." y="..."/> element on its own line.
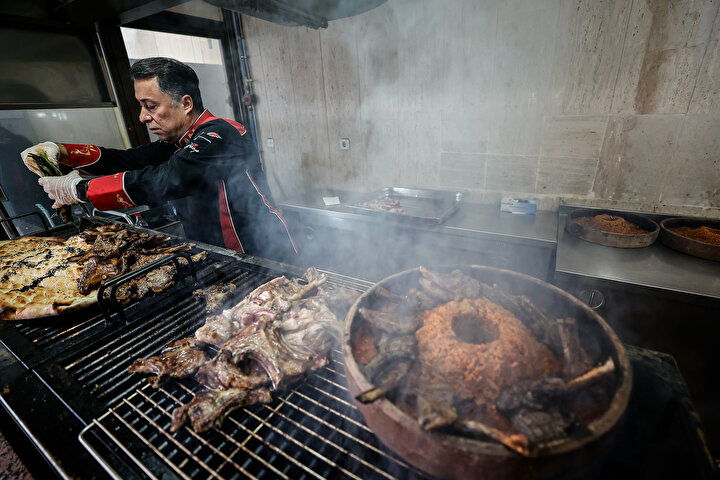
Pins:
<point x="499" y="430"/>
<point x="266" y="301"/>
<point x="436" y="291"/>
<point x="593" y="375"/>
<point x="179" y="359"/>
<point x="541" y="426"/>
<point x="384" y="204"/>
<point x="338" y="299"/>
<point x="422" y="300"/>
<point x="388" y="375"/>
<point x="390" y="367"/>
<point x="268" y="340"/>
<point x="95" y="270"/>
<point x="390" y="322"/>
<point x="222" y="373"/>
<point x="396" y="321"/>
<point x="388" y="296"/>
<point x="435" y="405"/>
<point x="210" y="407"/>
<point x="220" y="328"/>
<point x="113" y="245"/>
<point x="456" y="285"/>
<point x="523" y="394"/>
<point x="91" y="234"/>
<point x="215" y="295"/>
<point x="155" y="281"/>
<point x="307" y="327"/>
<point x="259" y="343"/>
<point x="279" y="351"/>
<point x="576" y="359"/>
<point x="117" y="250"/>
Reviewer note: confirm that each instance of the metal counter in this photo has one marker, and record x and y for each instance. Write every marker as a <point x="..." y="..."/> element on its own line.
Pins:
<point x="373" y="246"/>
<point x="656" y="266"/>
<point x="470" y="220"/>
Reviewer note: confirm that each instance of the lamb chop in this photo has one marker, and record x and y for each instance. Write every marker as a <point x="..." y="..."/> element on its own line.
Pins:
<point x="282" y="353"/>
<point x="221" y="373"/>
<point x="210" y="407"/>
<point x="178" y="360"/>
<point x="266" y="301"/>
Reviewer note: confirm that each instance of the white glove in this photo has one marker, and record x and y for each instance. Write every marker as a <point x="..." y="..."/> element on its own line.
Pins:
<point x="49" y="149"/>
<point x="61" y="189"/>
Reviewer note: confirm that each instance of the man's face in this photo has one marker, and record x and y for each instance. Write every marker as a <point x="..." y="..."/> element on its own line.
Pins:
<point x="163" y="119"/>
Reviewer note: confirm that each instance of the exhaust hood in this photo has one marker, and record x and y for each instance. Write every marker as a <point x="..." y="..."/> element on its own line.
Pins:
<point x="310" y="13"/>
<point x="79" y="13"/>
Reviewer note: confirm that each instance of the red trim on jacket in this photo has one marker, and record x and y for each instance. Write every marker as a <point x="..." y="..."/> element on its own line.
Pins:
<point x="273" y="210"/>
<point x="82" y="155"/>
<point x="206" y="116"/>
<point x="108" y="192"/>
<point x="230" y="236"/>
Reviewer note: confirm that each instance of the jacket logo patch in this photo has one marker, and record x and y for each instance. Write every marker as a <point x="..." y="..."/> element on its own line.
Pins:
<point x="86" y="150"/>
<point x="192" y="146"/>
<point x="122" y="201"/>
<point x="214" y="135"/>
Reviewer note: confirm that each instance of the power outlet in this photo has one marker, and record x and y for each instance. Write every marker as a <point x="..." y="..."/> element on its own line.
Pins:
<point x="344" y="144"/>
<point x="270" y="143"/>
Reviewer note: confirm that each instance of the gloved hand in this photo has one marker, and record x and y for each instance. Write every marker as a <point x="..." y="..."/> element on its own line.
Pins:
<point x="49" y="149"/>
<point x="62" y="188"/>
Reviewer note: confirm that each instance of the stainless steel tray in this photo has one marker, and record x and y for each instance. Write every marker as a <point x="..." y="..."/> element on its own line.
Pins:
<point x="420" y="205"/>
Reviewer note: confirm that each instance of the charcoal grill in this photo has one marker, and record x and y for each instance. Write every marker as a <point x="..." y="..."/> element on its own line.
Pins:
<point x="76" y="371"/>
<point x="65" y="385"/>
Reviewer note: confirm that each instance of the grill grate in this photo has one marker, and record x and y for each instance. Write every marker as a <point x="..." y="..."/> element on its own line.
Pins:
<point x="43" y="336"/>
<point x="311" y="431"/>
<point x="103" y="369"/>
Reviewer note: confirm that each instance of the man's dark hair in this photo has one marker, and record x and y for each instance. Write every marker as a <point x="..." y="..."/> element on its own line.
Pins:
<point x="174" y="78"/>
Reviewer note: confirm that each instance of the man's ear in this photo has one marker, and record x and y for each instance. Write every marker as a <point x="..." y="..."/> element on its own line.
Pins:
<point x="187" y="103"/>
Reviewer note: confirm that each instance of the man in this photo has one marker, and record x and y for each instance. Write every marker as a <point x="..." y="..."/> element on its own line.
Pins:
<point x="208" y="166"/>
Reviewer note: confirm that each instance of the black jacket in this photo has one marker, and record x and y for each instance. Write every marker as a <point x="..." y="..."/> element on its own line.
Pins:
<point x="213" y="176"/>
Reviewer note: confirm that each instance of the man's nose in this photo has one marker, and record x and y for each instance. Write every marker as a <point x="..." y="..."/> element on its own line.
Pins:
<point x="145" y="117"/>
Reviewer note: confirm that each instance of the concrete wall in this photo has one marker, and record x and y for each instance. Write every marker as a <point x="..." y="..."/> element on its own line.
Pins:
<point x="604" y="102"/>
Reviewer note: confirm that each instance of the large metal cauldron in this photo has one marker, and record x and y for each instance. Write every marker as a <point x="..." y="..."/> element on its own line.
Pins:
<point x="452" y="456"/>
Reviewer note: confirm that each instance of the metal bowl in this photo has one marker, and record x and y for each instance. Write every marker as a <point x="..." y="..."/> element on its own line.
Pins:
<point x="446" y="455"/>
<point x="687" y="245"/>
<point x="610" y="239"/>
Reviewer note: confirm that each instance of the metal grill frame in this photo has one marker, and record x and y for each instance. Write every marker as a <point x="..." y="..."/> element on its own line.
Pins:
<point x="121" y="436"/>
<point x="82" y="373"/>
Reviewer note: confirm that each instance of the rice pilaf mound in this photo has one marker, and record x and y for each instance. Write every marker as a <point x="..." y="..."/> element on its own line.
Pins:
<point x="479" y="370"/>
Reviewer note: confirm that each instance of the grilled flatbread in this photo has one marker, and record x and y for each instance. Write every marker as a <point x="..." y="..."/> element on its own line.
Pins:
<point x="46" y="276"/>
<point x="38" y="277"/>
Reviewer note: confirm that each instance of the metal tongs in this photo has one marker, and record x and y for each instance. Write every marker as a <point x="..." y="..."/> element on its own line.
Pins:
<point x="49" y="169"/>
